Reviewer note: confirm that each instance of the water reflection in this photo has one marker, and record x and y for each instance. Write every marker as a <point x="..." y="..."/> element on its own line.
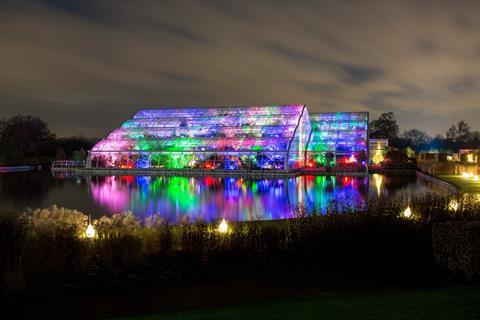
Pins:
<point x="235" y="199"/>
<point x="209" y="198"/>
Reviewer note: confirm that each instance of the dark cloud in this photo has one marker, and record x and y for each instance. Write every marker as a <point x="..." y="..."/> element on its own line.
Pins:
<point x="463" y="22"/>
<point x="425" y="46"/>
<point x="391" y="99"/>
<point x="180" y="32"/>
<point x="234" y="9"/>
<point x="295" y="55"/>
<point x="86" y="9"/>
<point x="181" y="78"/>
<point x="358" y="74"/>
<point x="348" y="73"/>
<point x="86" y="66"/>
<point x="463" y="84"/>
<point x="319" y="88"/>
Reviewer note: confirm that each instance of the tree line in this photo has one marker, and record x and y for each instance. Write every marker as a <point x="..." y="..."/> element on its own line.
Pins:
<point x="458" y="136"/>
<point x="29" y="140"/>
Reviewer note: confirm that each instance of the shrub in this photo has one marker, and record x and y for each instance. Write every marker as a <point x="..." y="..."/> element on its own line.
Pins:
<point x="456" y="248"/>
<point x="55" y="221"/>
<point x="12" y="246"/>
<point x="45" y="248"/>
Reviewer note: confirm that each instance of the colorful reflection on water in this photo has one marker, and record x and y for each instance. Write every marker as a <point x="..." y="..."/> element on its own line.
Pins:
<point x="208" y="198"/>
<point x="235" y="199"/>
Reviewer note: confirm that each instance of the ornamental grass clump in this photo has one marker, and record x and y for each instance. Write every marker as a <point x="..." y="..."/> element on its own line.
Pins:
<point x="55" y="221"/>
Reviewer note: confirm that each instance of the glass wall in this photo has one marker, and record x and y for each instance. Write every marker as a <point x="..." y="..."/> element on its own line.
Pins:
<point x="232" y="138"/>
<point x="338" y="140"/>
<point x="276" y="137"/>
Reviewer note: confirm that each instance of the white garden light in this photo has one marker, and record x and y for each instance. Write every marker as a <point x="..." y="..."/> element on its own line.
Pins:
<point x="407" y="213"/>
<point x="223" y="226"/>
<point x="90" y="232"/>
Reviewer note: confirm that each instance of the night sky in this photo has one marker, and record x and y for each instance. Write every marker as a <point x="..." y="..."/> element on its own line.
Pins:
<point x="85" y="68"/>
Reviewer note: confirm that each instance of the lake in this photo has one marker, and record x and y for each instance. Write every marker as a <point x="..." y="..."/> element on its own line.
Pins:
<point x="211" y="198"/>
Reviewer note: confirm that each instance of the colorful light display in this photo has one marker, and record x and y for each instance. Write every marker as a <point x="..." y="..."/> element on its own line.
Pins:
<point x="337" y="139"/>
<point x="378" y="150"/>
<point x="213" y="199"/>
<point x="234" y="138"/>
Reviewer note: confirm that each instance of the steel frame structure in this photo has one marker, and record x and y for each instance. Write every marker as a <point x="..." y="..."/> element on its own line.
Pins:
<point x="225" y="138"/>
<point x="338" y="139"/>
<point x="274" y="138"/>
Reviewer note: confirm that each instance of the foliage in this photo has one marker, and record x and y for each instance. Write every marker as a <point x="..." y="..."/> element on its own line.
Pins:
<point x="74" y="147"/>
<point x="385" y="127"/>
<point x="415" y="139"/>
<point x="47" y="248"/>
<point x="458" y="136"/>
<point x="28" y="140"/>
<point x="460" y="133"/>
<point x="55" y="220"/>
<point x="456" y="247"/>
<point x="24" y="136"/>
<point x="461" y="136"/>
<point x="12" y="246"/>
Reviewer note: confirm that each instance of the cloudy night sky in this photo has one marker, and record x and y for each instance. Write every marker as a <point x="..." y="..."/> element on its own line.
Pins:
<point x="87" y="66"/>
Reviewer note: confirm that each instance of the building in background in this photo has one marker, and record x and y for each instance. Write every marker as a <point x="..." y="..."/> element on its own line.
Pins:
<point x="468" y="155"/>
<point x="276" y="138"/>
<point x="434" y="155"/>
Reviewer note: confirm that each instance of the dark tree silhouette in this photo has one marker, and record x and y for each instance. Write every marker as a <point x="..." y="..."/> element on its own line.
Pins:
<point x="416" y="139"/>
<point x="385" y="127"/>
<point x="24" y="136"/>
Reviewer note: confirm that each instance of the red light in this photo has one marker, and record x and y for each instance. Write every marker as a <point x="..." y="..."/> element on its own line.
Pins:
<point x="208" y="165"/>
<point x="127" y="178"/>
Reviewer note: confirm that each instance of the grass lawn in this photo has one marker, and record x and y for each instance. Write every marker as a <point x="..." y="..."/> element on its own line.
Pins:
<point x="460" y="302"/>
<point x="467" y="185"/>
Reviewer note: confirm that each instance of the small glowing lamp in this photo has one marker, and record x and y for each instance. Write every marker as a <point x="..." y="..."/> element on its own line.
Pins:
<point x="90" y="232"/>
<point x="223" y="226"/>
<point x="407" y="213"/>
<point x="453" y="205"/>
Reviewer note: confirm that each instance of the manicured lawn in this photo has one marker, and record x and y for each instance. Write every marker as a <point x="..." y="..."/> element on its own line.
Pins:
<point x="461" y="302"/>
<point x="467" y="185"/>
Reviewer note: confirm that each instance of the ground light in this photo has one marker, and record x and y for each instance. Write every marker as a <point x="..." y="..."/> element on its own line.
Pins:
<point x="467" y="175"/>
<point x="407" y="213"/>
<point x="90" y="232"/>
<point x="223" y="226"/>
<point x="453" y="205"/>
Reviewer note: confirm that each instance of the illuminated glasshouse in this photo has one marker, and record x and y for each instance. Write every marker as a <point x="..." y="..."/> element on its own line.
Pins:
<point x="231" y="138"/>
<point x="338" y="140"/>
<point x="234" y="138"/>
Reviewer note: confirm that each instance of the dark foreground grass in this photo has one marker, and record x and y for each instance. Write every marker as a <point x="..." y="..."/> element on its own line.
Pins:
<point x="460" y="302"/>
